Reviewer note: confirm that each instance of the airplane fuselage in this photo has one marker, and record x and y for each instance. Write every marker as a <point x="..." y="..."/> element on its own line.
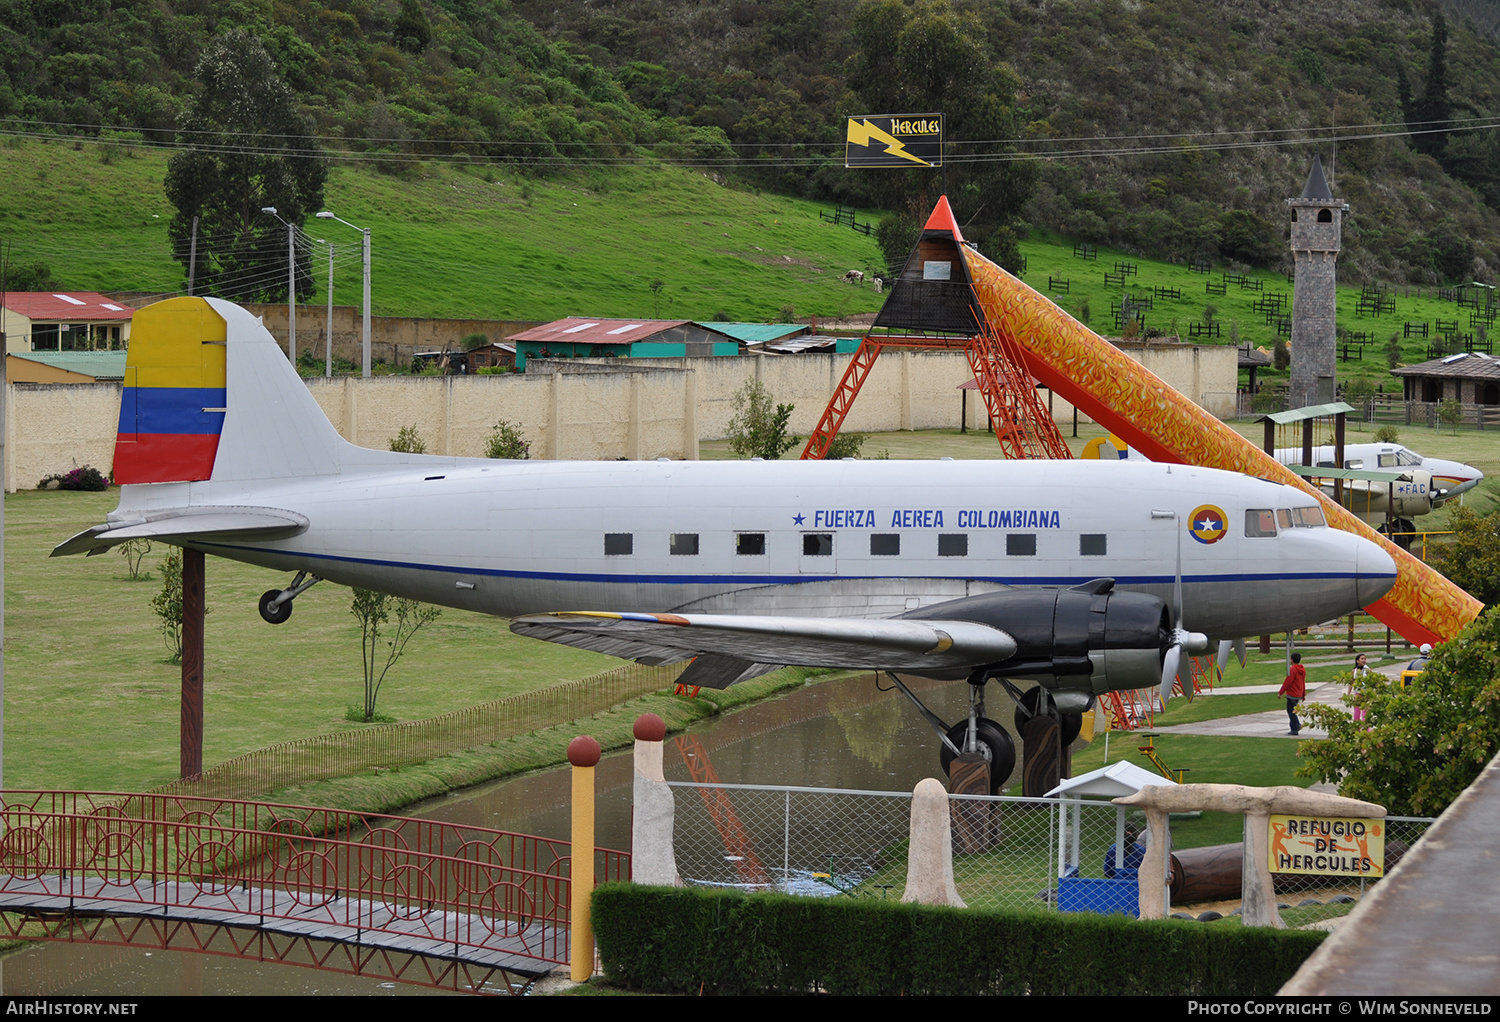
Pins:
<point x="853" y="538"/>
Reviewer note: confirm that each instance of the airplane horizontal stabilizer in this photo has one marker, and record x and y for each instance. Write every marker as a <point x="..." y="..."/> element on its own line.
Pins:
<point x="179" y="526"/>
<point x="879" y="644"/>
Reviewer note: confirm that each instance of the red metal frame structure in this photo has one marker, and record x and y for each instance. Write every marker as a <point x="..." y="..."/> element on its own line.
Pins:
<point x="417" y="901"/>
<point x="934" y="297"/>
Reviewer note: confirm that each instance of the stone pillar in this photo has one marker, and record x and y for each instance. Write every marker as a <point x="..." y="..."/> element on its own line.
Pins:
<point x="653" y="859"/>
<point x="929" y="861"/>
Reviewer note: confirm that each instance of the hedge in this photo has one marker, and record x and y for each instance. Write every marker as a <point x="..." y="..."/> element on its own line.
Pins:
<point x="687" y="940"/>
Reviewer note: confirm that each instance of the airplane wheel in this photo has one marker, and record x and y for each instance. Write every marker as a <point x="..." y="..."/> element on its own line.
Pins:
<point x="1400" y="525"/>
<point x="272" y="613"/>
<point x="994" y="740"/>
<point x="1068" y="723"/>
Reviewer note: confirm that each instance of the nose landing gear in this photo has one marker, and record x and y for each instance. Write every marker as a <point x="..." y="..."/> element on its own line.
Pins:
<point x="276" y="604"/>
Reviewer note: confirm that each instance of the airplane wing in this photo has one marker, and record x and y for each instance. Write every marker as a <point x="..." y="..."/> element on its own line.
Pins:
<point x="185" y="524"/>
<point x="732" y="648"/>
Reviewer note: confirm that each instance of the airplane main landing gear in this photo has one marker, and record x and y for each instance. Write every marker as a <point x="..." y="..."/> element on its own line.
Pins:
<point x="1069" y="724"/>
<point x="276" y="604"/>
<point x="992" y="741"/>
<point x="978" y="734"/>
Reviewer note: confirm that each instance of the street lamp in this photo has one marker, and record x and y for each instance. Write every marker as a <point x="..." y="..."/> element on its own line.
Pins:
<point x="325" y="215"/>
<point x="291" y="283"/>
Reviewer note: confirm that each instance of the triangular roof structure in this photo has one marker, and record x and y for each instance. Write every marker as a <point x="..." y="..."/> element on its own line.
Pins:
<point x="1317" y="184"/>
<point x="933" y="293"/>
<point x="1114" y="781"/>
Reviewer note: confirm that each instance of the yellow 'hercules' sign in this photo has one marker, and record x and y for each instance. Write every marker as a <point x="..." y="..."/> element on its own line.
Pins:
<point x="894" y="140"/>
<point x="1319" y="846"/>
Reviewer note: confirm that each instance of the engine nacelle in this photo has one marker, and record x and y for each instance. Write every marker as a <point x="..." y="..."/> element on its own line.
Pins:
<point x="1087" y="638"/>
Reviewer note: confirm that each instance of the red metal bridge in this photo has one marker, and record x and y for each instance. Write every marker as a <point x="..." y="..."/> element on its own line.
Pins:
<point x="416" y="901"/>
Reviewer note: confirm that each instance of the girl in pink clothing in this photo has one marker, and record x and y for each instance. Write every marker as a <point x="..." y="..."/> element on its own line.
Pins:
<point x="1295" y="690"/>
<point x="1361" y="669"/>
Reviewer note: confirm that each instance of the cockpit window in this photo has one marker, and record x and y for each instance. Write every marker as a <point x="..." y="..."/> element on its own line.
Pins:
<point x="1407" y="458"/>
<point x="1260" y="522"/>
<point x="1308" y="517"/>
<point x="1387" y="461"/>
<point x="1284" y="517"/>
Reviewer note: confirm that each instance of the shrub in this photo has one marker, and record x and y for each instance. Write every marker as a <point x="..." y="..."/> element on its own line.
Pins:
<point x="676" y="940"/>
<point x="1450" y="413"/>
<point x="1387" y="435"/>
<point x="756" y="431"/>
<point x="408" y="441"/>
<point x="845" y="445"/>
<point x="85" y="478"/>
<point x="1418" y="747"/>
<point x="506" y="442"/>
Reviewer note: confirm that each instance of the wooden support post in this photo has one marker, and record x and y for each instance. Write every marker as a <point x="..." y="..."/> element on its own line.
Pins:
<point x="190" y="755"/>
<point x="1338" y="456"/>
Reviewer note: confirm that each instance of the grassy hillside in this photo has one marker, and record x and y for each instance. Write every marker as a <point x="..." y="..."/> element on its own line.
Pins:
<point x="451" y="240"/>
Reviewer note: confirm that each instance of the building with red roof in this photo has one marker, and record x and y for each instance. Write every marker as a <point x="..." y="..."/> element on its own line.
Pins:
<point x="63" y="321"/>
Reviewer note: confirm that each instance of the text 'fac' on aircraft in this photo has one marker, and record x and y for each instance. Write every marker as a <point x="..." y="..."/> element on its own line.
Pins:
<point x="1085" y="577"/>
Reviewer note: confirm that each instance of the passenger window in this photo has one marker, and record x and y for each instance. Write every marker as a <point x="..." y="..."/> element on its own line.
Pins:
<point x="885" y="544"/>
<point x="953" y="544"/>
<point x="1283" y="518"/>
<point x="1093" y="544"/>
<point x="750" y="544"/>
<point x="684" y="543"/>
<point x="817" y="544"/>
<point x="1355" y="463"/>
<point x="618" y="544"/>
<point x="1020" y="544"/>
<point x="1387" y="461"/>
<point x="1260" y="522"/>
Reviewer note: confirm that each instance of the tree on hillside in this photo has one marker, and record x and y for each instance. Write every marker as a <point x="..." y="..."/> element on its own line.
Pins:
<point x="1433" y="108"/>
<point x="30" y="277"/>
<point x="250" y="148"/>
<point x="1473" y="559"/>
<point x="1418" y="747"/>
<point x="931" y="58"/>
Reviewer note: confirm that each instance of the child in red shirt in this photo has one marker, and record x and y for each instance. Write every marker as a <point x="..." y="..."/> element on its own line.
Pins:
<point x="1295" y="690"/>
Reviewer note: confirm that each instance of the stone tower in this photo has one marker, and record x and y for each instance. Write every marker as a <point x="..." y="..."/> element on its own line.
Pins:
<point x="1316" y="224"/>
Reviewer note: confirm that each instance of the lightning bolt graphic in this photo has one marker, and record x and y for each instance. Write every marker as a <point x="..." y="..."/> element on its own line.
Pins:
<point x="861" y="133"/>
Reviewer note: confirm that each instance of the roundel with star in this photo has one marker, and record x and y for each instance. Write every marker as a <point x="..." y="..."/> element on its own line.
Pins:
<point x="1208" y="524"/>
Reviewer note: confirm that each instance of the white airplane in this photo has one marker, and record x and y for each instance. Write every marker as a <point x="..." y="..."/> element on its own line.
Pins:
<point x="1427" y="483"/>
<point x="1084" y="576"/>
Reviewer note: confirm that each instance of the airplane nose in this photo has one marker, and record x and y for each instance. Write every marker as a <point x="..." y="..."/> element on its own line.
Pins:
<point x="1374" y="571"/>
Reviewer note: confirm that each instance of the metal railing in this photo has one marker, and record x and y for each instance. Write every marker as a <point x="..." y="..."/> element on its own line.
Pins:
<point x="1019" y="854"/>
<point x="415" y="884"/>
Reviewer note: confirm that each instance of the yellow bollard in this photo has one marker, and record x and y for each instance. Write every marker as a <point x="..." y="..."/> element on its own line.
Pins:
<point x="583" y="753"/>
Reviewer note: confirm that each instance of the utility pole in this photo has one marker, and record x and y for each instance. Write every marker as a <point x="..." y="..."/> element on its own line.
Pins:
<point x="366" y="366"/>
<point x="328" y="337"/>
<point x="193" y="257"/>
<point x="291" y="293"/>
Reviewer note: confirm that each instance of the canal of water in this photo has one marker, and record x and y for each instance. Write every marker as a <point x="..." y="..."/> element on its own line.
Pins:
<point x="838" y="734"/>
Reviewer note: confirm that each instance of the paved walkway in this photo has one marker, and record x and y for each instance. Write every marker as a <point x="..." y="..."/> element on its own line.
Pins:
<point x="1271" y="723"/>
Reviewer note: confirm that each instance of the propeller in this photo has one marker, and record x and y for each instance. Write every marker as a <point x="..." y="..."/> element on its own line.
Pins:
<point x="1193" y="642"/>
<point x="1236" y="646"/>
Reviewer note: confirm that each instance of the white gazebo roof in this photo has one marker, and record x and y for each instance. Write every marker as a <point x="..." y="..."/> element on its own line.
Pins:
<point x="1113" y="781"/>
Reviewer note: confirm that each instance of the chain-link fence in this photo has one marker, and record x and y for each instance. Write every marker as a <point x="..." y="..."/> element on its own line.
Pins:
<point x="1011" y="853"/>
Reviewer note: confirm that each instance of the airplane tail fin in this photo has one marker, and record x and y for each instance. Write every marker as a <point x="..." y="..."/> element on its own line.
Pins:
<point x="209" y="395"/>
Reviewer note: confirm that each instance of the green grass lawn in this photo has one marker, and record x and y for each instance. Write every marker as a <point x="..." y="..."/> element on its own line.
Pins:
<point x="92" y="703"/>
<point x="450" y="240"/>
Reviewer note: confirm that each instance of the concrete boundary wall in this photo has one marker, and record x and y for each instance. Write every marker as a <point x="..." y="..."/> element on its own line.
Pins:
<point x="590" y="409"/>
